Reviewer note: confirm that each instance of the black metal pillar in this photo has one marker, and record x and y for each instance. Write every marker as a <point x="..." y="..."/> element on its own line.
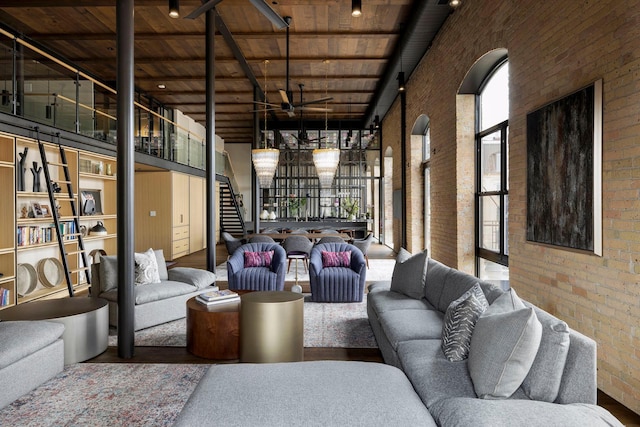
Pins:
<point x="405" y="166"/>
<point x="255" y="186"/>
<point x="125" y="185"/>
<point x="210" y="169"/>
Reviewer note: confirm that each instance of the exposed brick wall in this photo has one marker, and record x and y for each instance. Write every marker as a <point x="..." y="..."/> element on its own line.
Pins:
<point x="554" y="49"/>
<point x="391" y="138"/>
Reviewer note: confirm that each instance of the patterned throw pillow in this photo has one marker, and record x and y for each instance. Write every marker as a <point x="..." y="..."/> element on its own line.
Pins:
<point x="336" y="259"/>
<point x="258" y="259"/>
<point x="146" y="268"/>
<point x="459" y="320"/>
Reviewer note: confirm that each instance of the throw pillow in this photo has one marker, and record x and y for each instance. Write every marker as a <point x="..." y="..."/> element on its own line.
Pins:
<point x="162" y="264"/>
<point x="146" y="268"/>
<point x="108" y="273"/>
<point x="194" y="276"/>
<point x="336" y="259"/>
<point x="506" y="302"/>
<point x="258" y="259"/>
<point x="543" y="380"/>
<point x="459" y="320"/>
<point x="503" y="348"/>
<point x="410" y="274"/>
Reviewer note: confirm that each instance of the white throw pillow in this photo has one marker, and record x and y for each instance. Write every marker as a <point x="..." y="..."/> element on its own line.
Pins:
<point x="503" y="348"/>
<point x="146" y="268"/>
<point x="459" y="321"/>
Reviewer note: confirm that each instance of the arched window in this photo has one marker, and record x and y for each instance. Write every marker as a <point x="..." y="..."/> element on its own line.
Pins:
<point x="492" y="176"/>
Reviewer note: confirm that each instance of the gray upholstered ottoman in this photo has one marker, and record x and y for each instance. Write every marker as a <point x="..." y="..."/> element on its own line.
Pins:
<point x="31" y="353"/>
<point x="324" y="393"/>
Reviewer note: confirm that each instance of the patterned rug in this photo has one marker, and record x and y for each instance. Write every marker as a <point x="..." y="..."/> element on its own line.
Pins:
<point x="343" y="325"/>
<point x="91" y="394"/>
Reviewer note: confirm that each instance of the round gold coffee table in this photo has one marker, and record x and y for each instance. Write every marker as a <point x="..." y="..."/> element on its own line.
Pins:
<point x="271" y="327"/>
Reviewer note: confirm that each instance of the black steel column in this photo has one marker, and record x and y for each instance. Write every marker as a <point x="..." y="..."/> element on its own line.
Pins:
<point x="125" y="185"/>
<point x="255" y="186"/>
<point x="210" y="168"/>
<point x="405" y="166"/>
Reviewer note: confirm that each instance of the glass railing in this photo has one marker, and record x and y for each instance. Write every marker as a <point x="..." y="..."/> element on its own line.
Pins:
<point x="40" y="87"/>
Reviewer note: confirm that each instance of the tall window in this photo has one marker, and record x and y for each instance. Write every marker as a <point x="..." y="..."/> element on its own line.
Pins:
<point x="492" y="179"/>
<point x="426" y="164"/>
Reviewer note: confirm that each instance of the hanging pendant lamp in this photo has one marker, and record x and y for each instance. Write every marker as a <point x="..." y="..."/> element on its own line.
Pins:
<point x="265" y="160"/>
<point x="326" y="159"/>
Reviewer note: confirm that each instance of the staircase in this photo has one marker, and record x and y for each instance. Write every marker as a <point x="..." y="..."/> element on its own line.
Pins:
<point x="231" y="216"/>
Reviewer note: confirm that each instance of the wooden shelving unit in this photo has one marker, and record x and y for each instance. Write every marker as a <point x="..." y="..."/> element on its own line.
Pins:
<point x="96" y="173"/>
<point x="88" y="171"/>
<point x="7" y="216"/>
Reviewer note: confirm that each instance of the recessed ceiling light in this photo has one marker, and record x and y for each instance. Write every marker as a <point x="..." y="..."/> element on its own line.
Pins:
<point x="162" y="86"/>
<point x="454" y="3"/>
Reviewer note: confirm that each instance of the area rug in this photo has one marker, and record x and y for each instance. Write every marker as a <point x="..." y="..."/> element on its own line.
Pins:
<point x="97" y="394"/>
<point x="343" y="325"/>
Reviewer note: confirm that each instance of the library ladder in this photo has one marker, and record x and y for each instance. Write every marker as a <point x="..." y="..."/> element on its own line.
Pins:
<point x="54" y="188"/>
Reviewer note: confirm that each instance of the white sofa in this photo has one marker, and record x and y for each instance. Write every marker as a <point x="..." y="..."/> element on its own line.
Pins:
<point x="155" y="303"/>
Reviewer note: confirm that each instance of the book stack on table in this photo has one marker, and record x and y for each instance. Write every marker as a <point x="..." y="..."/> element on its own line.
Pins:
<point x="218" y="297"/>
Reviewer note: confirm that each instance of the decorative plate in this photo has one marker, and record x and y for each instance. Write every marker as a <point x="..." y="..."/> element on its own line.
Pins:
<point x="50" y="272"/>
<point x="27" y="279"/>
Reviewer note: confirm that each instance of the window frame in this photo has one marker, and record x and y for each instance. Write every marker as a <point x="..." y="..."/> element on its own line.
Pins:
<point x="501" y="257"/>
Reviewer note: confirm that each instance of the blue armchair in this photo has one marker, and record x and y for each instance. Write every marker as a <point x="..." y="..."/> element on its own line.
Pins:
<point x="270" y="278"/>
<point x="337" y="284"/>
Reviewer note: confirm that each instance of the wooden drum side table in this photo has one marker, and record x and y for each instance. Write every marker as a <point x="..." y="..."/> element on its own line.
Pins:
<point x="272" y="325"/>
<point x="213" y="331"/>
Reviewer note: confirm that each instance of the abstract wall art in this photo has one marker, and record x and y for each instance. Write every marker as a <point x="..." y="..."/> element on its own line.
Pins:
<point x="564" y="171"/>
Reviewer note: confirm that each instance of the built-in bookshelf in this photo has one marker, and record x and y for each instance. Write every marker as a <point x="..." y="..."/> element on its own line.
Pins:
<point x="7" y="218"/>
<point x="30" y="259"/>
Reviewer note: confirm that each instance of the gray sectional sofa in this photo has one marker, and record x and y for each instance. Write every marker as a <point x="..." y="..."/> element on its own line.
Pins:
<point x="530" y="367"/>
<point x="155" y="303"/>
<point x="407" y="316"/>
<point x="31" y="353"/>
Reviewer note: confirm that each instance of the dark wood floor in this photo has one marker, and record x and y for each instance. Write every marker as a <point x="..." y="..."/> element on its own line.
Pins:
<point x="180" y="354"/>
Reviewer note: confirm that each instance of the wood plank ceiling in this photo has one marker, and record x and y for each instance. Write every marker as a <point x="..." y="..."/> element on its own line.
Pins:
<point x="171" y="52"/>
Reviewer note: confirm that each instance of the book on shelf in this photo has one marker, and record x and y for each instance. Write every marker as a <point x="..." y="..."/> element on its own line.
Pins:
<point x="5" y="297"/>
<point x="217" y="295"/>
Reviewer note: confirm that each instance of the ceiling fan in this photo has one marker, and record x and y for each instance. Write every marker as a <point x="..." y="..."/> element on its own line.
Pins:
<point x="303" y="138"/>
<point x="286" y="105"/>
